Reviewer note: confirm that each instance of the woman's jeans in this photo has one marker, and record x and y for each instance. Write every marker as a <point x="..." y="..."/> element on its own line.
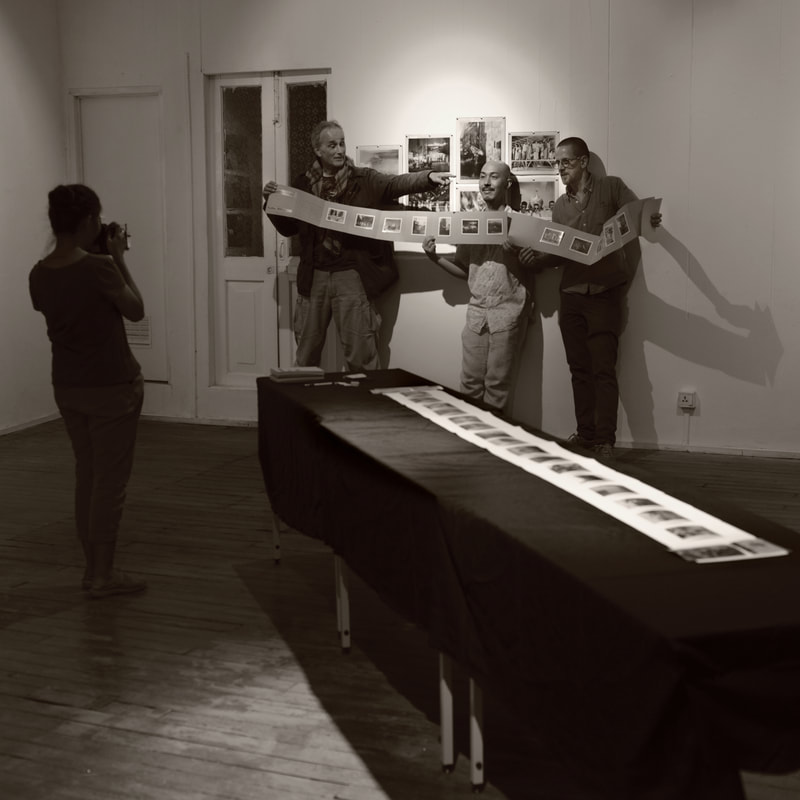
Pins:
<point x="101" y="422"/>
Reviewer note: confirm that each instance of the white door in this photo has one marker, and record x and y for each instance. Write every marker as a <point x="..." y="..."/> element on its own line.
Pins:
<point x="258" y="128"/>
<point x="120" y="155"/>
<point x="243" y="247"/>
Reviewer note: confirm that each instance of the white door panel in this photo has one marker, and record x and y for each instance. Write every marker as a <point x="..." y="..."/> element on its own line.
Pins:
<point x="247" y="340"/>
<point x="121" y="156"/>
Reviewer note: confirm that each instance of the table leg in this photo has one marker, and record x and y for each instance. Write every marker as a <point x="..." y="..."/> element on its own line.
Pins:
<point x="337" y="587"/>
<point x="276" y="538"/>
<point x="476" y="736"/>
<point x="446" y="711"/>
<point x="342" y="602"/>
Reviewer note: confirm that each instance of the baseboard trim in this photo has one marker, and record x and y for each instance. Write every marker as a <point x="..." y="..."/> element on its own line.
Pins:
<point x="718" y="451"/>
<point x="222" y="423"/>
<point x="247" y="423"/>
<point x="31" y="424"/>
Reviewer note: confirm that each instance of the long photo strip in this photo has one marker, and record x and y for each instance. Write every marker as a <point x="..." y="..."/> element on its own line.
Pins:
<point x="470" y="227"/>
<point x="685" y="530"/>
<point x="474" y="227"/>
<point x="544" y="235"/>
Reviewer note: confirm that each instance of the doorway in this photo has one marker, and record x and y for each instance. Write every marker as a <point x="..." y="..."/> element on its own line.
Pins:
<point x="258" y="127"/>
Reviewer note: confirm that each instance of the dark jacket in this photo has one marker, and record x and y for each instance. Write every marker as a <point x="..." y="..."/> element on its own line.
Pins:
<point x="606" y="196"/>
<point x="372" y="258"/>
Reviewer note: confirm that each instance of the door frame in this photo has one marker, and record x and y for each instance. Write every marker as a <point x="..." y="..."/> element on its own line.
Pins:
<point x="249" y="270"/>
<point x="234" y="404"/>
<point x="214" y="401"/>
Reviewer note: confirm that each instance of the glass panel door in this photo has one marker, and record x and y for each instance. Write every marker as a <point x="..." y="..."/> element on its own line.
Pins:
<point x="244" y="301"/>
<point x="257" y="127"/>
<point x="242" y="168"/>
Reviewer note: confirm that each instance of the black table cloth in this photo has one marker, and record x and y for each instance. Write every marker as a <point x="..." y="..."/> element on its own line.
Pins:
<point x="651" y="676"/>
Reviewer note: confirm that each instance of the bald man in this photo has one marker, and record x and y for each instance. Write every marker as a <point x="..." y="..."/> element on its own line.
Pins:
<point x="499" y="302"/>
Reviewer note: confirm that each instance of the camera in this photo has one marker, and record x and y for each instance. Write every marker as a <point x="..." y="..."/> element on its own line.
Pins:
<point x="100" y="244"/>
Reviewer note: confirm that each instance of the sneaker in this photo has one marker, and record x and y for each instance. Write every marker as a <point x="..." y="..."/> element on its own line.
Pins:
<point x="118" y="583"/>
<point x="604" y="451"/>
<point x="576" y="440"/>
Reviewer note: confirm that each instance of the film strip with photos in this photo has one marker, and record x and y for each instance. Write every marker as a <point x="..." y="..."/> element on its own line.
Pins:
<point x="686" y="531"/>
<point x="630" y="222"/>
<point x="472" y="227"/>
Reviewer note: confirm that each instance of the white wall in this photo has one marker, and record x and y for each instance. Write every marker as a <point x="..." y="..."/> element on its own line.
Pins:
<point x="31" y="163"/>
<point x="691" y="100"/>
<point x="702" y="111"/>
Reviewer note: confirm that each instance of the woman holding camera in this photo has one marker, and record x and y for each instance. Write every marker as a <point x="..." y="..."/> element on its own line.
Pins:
<point x="97" y="382"/>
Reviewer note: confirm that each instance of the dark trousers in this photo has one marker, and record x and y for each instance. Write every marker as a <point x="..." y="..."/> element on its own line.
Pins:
<point x="590" y="327"/>
<point x="101" y="423"/>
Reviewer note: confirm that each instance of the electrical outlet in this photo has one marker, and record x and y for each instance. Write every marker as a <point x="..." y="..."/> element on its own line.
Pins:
<point x="687" y="400"/>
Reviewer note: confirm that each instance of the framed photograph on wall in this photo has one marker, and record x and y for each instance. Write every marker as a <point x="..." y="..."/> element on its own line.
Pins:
<point x="425" y="153"/>
<point x="530" y="152"/>
<point x="480" y="139"/>
<point x="387" y="158"/>
<point x="468" y="198"/>
<point x="429" y="152"/>
<point x="539" y="195"/>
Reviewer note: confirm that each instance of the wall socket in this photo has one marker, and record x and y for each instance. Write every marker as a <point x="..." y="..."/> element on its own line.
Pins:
<point x="687" y="400"/>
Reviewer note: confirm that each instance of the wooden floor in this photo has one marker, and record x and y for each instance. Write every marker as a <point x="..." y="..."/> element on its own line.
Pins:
<point x="225" y="680"/>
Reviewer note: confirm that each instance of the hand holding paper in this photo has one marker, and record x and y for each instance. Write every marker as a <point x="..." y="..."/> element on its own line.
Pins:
<point x="651" y="218"/>
<point x="570" y="243"/>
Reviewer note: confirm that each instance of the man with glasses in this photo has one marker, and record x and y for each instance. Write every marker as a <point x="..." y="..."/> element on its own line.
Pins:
<point x="592" y="297"/>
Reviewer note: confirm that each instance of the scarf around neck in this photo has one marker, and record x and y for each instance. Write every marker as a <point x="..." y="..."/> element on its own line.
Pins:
<point x="328" y="244"/>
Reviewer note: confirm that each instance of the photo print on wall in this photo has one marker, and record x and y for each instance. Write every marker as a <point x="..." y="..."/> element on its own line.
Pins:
<point x="530" y="152"/>
<point x="468" y="198"/>
<point x="429" y="153"/>
<point x="538" y="196"/>
<point x="386" y="158"/>
<point x="480" y="139"/>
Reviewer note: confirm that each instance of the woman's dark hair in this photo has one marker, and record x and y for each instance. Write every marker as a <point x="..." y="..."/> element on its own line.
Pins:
<point x="69" y="205"/>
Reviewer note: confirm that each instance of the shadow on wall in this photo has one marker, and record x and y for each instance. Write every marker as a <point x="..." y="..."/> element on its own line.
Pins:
<point x="526" y="394"/>
<point x="752" y="355"/>
<point x="418" y="275"/>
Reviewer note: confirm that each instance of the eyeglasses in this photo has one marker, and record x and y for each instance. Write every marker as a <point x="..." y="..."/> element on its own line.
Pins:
<point x="566" y="163"/>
